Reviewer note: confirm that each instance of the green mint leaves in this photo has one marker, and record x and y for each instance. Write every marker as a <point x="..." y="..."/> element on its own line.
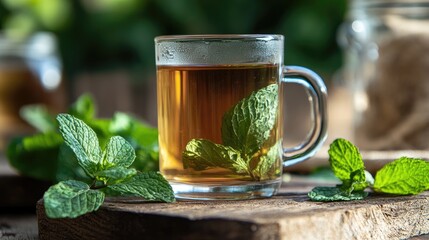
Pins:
<point x="403" y="176"/>
<point x="201" y="154"/>
<point x="329" y="194"/>
<point x="246" y="127"/>
<point x="71" y="199"/>
<point x="149" y="185"/>
<point x="346" y="163"/>
<point x="83" y="141"/>
<point x="107" y="170"/>
<point x="248" y="124"/>
<point x="345" y="159"/>
<point x="37" y="155"/>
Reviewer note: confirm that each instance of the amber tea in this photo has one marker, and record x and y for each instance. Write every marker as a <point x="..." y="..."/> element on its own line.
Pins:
<point x="193" y="103"/>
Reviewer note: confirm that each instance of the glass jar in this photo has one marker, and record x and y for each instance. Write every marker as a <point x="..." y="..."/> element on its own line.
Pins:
<point x="30" y="73"/>
<point x="386" y="47"/>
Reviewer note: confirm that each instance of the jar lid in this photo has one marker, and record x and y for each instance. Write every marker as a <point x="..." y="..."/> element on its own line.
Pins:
<point x="416" y="8"/>
<point x="38" y="45"/>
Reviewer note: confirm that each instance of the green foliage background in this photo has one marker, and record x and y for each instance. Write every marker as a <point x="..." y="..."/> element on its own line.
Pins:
<point x="99" y="34"/>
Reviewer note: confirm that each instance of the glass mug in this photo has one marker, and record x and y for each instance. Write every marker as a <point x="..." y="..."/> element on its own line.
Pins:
<point x="220" y="114"/>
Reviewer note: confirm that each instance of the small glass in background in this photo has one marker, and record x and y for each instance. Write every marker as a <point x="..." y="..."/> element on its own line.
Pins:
<point x="30" y="73"/>
<point x="386" y="46"/>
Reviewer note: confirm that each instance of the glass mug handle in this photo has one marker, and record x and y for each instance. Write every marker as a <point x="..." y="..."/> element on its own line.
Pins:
<point x="317" y="92"/>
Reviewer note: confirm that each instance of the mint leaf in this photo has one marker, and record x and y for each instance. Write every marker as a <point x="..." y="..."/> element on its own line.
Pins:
<point x="82" y="140"/>
<point x="125" y="125"/>
<point x="330" y="194"/>
<point x="345" y="159"/>
<point x="83" y="108"/>
<point x="142" y="137"/>
<point x="121" y="123"/>
<point x="114" y="174"/>
<point x="147" y="159"/>
<point x="201" y="154"/>
<point x="71" y="199"/>
<point x="403" y="176"/>
<point x="118" y="153"/>
<point x="68" y="166"/>
<point x="38" y="117"/>
<point x="150" y="185"/>
<point x="35" y="156"/>
<point x="357" y="181"/>
<point x="248" y="124"/>
<point x="266" y="166"/>
<point x="369" y="178"/>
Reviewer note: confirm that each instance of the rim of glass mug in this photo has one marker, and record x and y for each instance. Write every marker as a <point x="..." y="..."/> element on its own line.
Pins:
<point x="219" y="49"/>
<point x="214" y="37"/>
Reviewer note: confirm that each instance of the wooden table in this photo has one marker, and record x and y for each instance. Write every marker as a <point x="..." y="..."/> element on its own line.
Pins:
<point x="289" y="215"/>
<point x="18" y="197"/>
<point x="20" y="226"/>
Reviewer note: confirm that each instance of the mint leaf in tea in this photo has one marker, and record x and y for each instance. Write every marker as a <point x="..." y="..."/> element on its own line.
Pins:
<point x="249" y="123"/>
<point x="201" y="154"/>
<point x="245" y="129"/>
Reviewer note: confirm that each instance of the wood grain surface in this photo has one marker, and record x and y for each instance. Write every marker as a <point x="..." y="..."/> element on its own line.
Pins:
<point x="18" y="227"/>
<point x="289" y="215"/>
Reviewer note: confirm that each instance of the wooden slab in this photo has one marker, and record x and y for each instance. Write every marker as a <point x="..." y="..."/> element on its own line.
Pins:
<point x="289" y="215"/>
<point x="18" y="227"/>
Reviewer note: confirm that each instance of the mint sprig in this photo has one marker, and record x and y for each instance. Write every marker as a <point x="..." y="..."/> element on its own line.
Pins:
<point x="404" y="176"/>
<point x="107" y="170"/>
<point x="36" y="155"/>
<point x="246" y="129"/>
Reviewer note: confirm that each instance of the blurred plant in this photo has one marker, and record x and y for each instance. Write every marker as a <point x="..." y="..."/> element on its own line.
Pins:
<point x="45" y="156"/>
<point x="31" y="15"/>
<point x="100" y="34"/>
<point x="310" y="28"/>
